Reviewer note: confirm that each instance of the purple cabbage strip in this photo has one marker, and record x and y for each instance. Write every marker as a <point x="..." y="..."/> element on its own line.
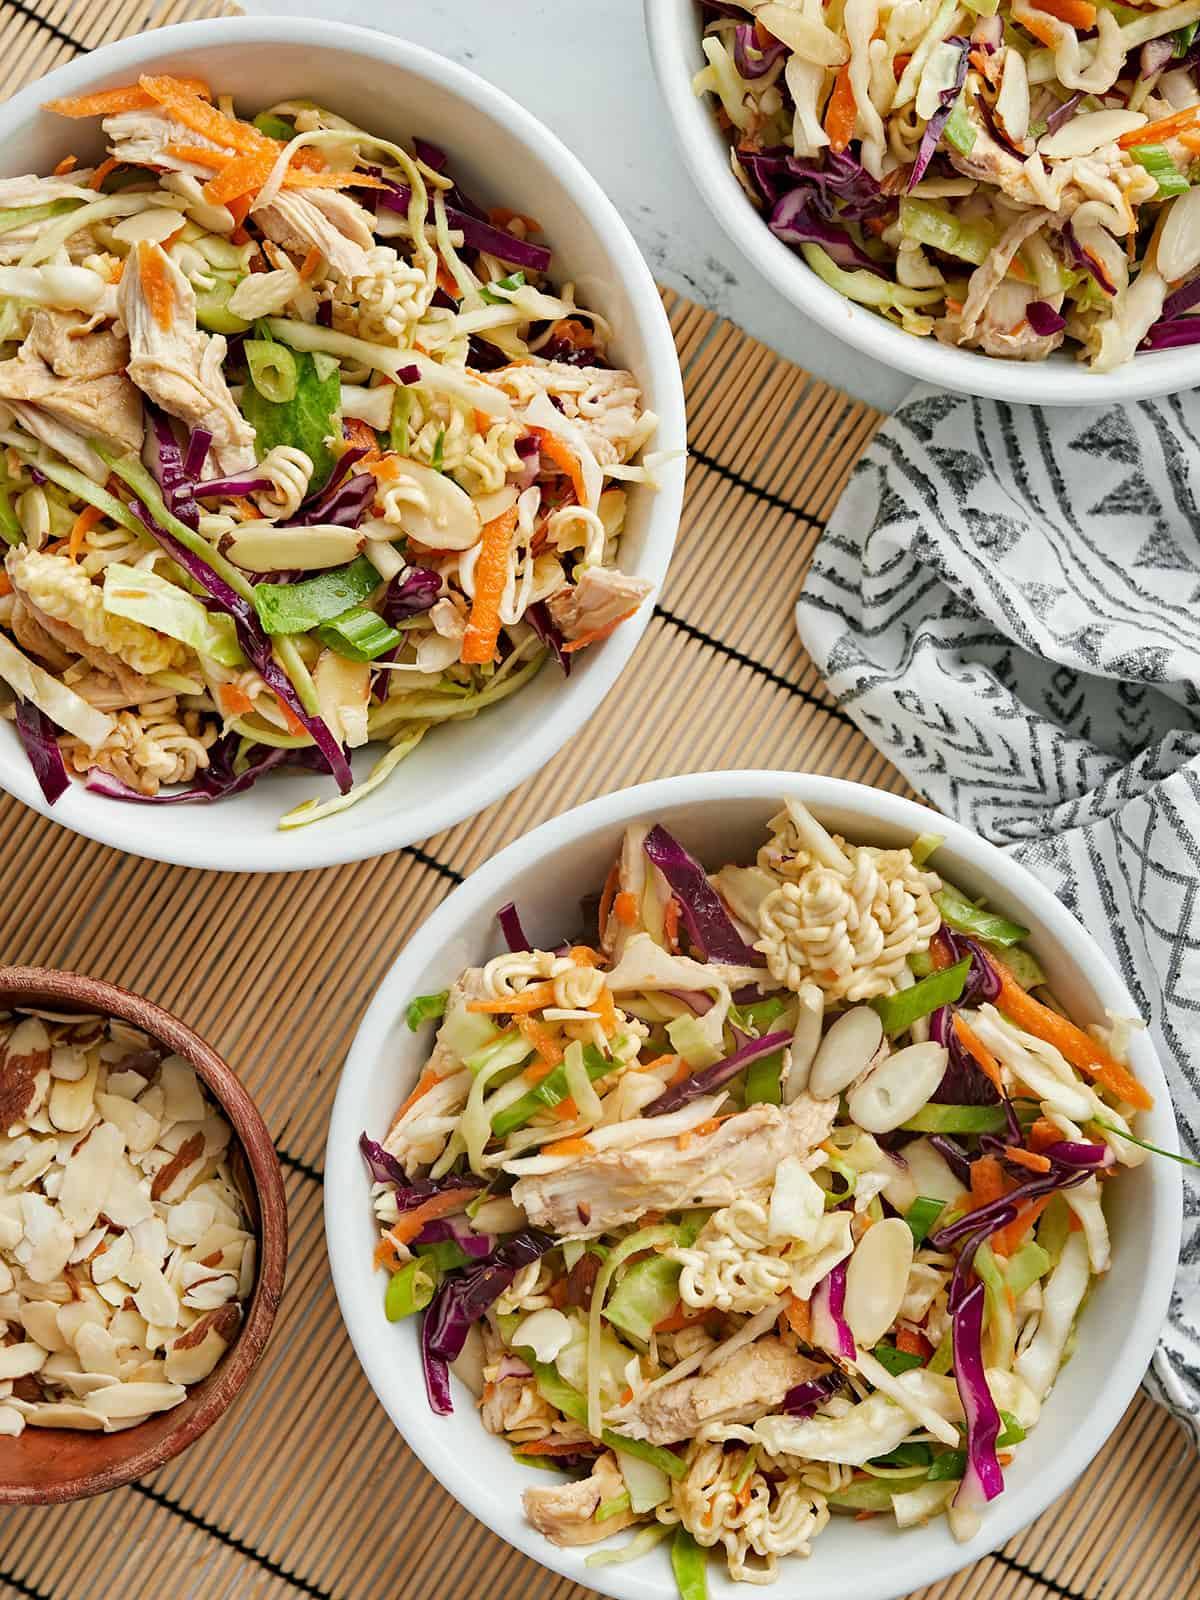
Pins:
<point x="933" y="128"/>
<point x="40" y="739"/>
<point x="197" y="453"/>
<point x="221" y="488"/>
<point x="381" y="1164"/>
<point x="349" y="457"/>
<point x="828" y="1313"/>
<point x="752" y="59"/>
<point x="448" y="1230"/>
<point x="1087" y="262"/>
<point x="804" y="1400"/>
<point x="955" y="1157"/>
<point x="217" y="781"/>
<point x="477" y="233"/>
<point x="410" y="1192"/>
<point x="515" y="936"/>
<point x="431" y="154"/>
<point x="344" y="506"/>
<point x="796" y="220"/>
<point x="992" y="123"/>
<point x="409" y="593"/>
<point x="964" y="1082"/>
<point x="254" y="642"/>
<point x="1070" y="1153"/>
<point x="543" y="624"/>
<point x="712" y="1078"/>
<point x="709" y="925"/>
<point x="1154" y="55"/>
<point x="167" y="465"/>
<point x="1182" y="300"/>
<point x="436" y="1370"/>
<point x="997" y="1214"/>
<point x="1172" y="333"/>
<point x="1043" y="318"/>
<point x="983" y="1479"/>
<point x="983" y="981"/>
<point x="1063" y="113"/>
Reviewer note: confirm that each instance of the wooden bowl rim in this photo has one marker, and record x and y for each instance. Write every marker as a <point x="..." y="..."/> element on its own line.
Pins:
<point x="55" y="989"/>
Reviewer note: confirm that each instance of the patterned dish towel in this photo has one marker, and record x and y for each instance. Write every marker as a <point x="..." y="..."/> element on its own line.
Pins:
<point x="1007" y="602"/>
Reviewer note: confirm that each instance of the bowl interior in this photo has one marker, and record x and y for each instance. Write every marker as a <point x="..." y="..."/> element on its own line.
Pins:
<point x="675" y="28"/>
<point x="502" y="155"/>
<point x="54" y="1464"/>
<point x="728" y="824"/>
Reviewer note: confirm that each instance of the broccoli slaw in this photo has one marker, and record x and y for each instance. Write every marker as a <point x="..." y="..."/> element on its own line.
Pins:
<point x="1008" y="176"/>
<point x="773" y="1196"/>
<point x="303" y="450"/>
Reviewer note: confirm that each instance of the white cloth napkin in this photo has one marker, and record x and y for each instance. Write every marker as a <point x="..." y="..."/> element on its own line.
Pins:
<point x="1007" y="602"/>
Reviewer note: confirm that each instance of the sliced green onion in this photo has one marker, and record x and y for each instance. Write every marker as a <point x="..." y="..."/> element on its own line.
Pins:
<point x="689" y="1563"/>
<point x="747" y="1467"/>
<point x="444" y="1256"/>
<point x="552" y="1091"/>
<point x="899" y="1011"/>
<point x="956" y="1119"/>
<point x="959" y="129"/>
<point x="905" y="1455"/>
<point x="212" y="307"/>
<point x="1185" y="1161"/>
<point x="924" y="845"/>
<point x="410" y="1290"/>
<point x="868" y="1494"/>
<point x="1157" y="161"/>
<point x="896" y="1361"/>
<point x="274" y="127"/>
<point x="1013" y="1433"/>
<point x="922" y="1215"/>
<point x="920" y="963"/>
<point x="965" y="917"/>
<point x="763" y="1085"/>
<point x="359" y="634"/>
<point x="936" y="226"/>
<point x="424" y="1007"/>
<point x="942" y="1358"/>
<point x="515" y="280"/>
<point x="1183" y="39"/>
<point x="10" y="528"/>
<point x="612" y="1508"/>
<point x="1029" y="1264"/>
<point x="272" y="368"/>
<point x="1001" y="1323"/>
<point x="300" y="607"/>
<point x="1054" y="1227"/>
<point x="438" y="459"/>
<point x="398" y="431"/>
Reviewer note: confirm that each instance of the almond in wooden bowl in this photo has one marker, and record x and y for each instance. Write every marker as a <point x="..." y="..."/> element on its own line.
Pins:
<point x="143" y="1236"/>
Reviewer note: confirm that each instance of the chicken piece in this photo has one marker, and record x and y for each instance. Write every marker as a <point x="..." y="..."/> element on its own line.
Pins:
<point x="614" y="1187"/>
<point x="18" y="193"/>
<point x="751" y="1384"/>
<point x="34" y="640"/>
<point x="70" y="607"/>
<point x="565" y="1514"/>
<point x="323" y="220"/>
<point x="178" y="366"/>
<point x="67" y="386"/>
<point x="601" y="598"/>
<point x="63" y="340"/>
<point x="142" y="137"/>
<point x="605" y="403"/>
<point x="1002" y="329"/>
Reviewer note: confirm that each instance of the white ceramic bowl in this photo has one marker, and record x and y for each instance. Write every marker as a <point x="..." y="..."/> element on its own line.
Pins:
<point x="674" y="28"/>
<point x="506" y="156"/>
<point x="721" y="817"/>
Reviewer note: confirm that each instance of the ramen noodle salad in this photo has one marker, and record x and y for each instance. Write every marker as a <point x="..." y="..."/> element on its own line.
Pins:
<point x="1010" y="176"/>
<point x="773" y="1197"/>
<point x="303" y="450"/>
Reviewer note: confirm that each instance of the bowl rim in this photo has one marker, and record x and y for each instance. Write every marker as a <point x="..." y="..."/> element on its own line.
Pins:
<point x="123" y="826"/>
<point x="489" y="886"/>
<point x="671" y="28"/>
<point x="75" y="991"/>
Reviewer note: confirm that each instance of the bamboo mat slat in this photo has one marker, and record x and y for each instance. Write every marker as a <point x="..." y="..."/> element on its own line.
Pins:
<point x="283" y="1497"/>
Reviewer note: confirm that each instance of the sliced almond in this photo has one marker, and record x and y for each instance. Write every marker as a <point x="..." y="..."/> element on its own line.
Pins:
<point x="135" y="1122"/>
<point x="73" y="1101"/>
<point x="39" y="1318"/>
<point x="97" y="1350"/>
<point x="154" y="1297"/>
<point x="88" y="1179"/>
<point x="1088" y="132"/>
<point x="134" y="1399"/>
<point x="21" y="1360"/>
<point x="57" y="1414"/>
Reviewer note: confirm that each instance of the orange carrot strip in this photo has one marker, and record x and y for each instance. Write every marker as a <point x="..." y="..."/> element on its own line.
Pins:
<point x="598" y="633"/>
<point x="304" y="178"/>
<point x="1043" y="1134"/>
<point x="681" y="1317"/>
<point x="583" y="955"/>
<point x="1080" y="1049"/>
<point x="625" y="906"/>
<point x="156" y="285"/>
<point x="987" y="1182"/>
<point x="1079" y="13"/>
<point x="67" y="164"/>
<point x="438" y="1205"/>
<point x="1045" y="32"/>
<point x="385" y="1255"/>
<point x="200" y="155"/>
<point x="1165" y="128"/>
<point x="564" y="458"/>
<point x="1027" y="1158"/>
<point x="1005" y="1241"/>
<point x="543" y="1042"/>
<point x="87" y="518"/>
<point x="547" y="1447"/>
<point x="1190" y="139"/>
<point x="501" y="216"/>
<point x="797" y="1313"/>
<point x="681" y="1072"/>
<point x="605" y="1010"/>
<point x="842" y="111"/>
<point x="245" y="175"/>
<point x="671" y="923"/>
<point x="310" y="264"/>
<point x="659" y="1061"/>
<point x="976" y="1048"/>
<point x="569" y="1147"/>
<point x="182" y="103"/>
<point x="107" y="102"/>
<point x="235" y="702"/>
<point x="424" y="1083"/>
<point x="289" y="716"/>
<point x="532" y="999"/>
<point x="491" y="572"/>
<point x="566" y="1110"/>
<point x="102" y="172"/>
<point x="913" y="1344"/>
<point x="5" y="582"/>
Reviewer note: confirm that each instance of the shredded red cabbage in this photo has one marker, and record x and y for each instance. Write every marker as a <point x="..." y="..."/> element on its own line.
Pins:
<point x="40" y="739"/>
<point x="805" y="1399"/>
<point x="218" y="780"/>
<point x="712" y="1078"/>
<point x="1183" y="299"/>
<point x="1070" y="1153"/>
<point x="543" y="624"/>
<point x="409" y="593"/>
<point x="933" y="128"/>
<point x="477" y="233"/>
<point x="1063" y="113"/>
<point x="1086" y="261"/>
<point x="409" y="1192"/>
<point x="795" y="220"/>
<point x="225" y="488"/>
<point x="955" y="1157"/>
<point x="983" y="981"/>
<point x="197" y="452"/>
<point x="1172" y="333"/>
<point x="996" y="1214"/>
<point x="165" y="460"/>
<point x="1043" y="318"/>
<point x="343" y="505"/>
<point x="752" y="59"/>
<point x="515" y="936"/>
<point x="709" y="925"/>
<point x="1154" y="55"/>
<point x="983" y="1479"/>
<point x="830" y="1329"/>
<point x="449" y="1230"/>
<point x="964" y="1083"/>
<point x="431" y="154"/>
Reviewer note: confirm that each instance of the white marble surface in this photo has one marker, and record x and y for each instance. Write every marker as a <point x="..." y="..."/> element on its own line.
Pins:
<point x="583" y="67"/>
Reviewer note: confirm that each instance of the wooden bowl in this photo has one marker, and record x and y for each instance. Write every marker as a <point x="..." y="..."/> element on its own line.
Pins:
<point x="47" y="1465"/>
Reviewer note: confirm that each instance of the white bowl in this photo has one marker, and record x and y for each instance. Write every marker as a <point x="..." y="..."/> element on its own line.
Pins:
<point x="508" y="157"/>
<point x="674" y="28"/>
<point x="721" y="816"/>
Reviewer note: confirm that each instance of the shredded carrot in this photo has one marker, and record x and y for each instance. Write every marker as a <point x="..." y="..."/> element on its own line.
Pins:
<point x="1078" y="13"/>
<point x="1074" y="1223"/>
<point x="532" y="999"/>
<point x="66" y="165"/>
<point x="1165" y="128"/>
<point x="939" y="955"/>
<point x="798" y="1315"/>
<point x="598" y="633"/>
<point x="200" y="155"/>
<point x="953" y="305"/>
<point x="156" y="283"/>
<point x="5" y="583"/>
<point x="245" y="510"/>
<point x="681" y="1072"/>
<point x="975" y="1047"/>
<point x="245" y="175"/>
<point x="1080" y="1049"/>
<point x="385" y="1255"/>
<point x="607" y="895"/>
<point x="438" y="1205"/>
<point x="625" y="906"/>
<point x="107" y="102"/>
<point x="681" y="1317"/>
<point x="1044" y="32"/>
<point x="1006" y="1241"/>
<point x="181" y="102"/>
<point x="548" y="1447"/>
<point x="569" y="330"/>
<point x="87" y="518"/>
<point x="605" y="1010"/>
<point x="446" y="280"/>
<point x="549" y="1051"/>
<point x="102" y="172"/>
<point x="1043" y="1134"/>
<point x="913" y="1344"/>
<point x="564" y="458"/>
<point x="566" y="1110"/>
<point x="842" y="111"/>
<point x="235" y="702"/>
<point x="290" y="717"/>
<point x="979" y="61"/>
<point x="659" y="1061"/>
<point x="900" y="62"/>
<point x="424" y="1083"/>
<point x="1190" y="139"/>
<point x="483" y="422"/>
<point x="671" y="923"/>
<point x="1018" y="270"/>
<point x="742" y="1497"/>
<point x="701" y="1130"/>
<point x="491" y="574"/>
<point x="306" y="178"/>
<point x="583" y="955"/>
<point x="239" y="210"/>
<point x="987" y="1181"/>
<point x="569" y="1147"/>
<point x="1027" y="1158"/>
<point x="310" y="264"/>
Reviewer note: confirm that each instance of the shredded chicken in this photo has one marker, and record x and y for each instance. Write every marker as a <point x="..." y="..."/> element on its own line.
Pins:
<point x="323" y="220"/>
<point x="751" y="1384"/>
<point x="601" y="598"/>
<point x="1002" y="328"/>
<point x="606" y="404"/>
<point x="142" y="138"/>
<point x="179" y="367"/>
<point x="566" y="1514"/>
<point x="608" y="1190"/>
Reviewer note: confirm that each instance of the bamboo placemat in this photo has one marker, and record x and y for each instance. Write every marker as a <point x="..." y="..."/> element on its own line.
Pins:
<point x="305" y="1488"/>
